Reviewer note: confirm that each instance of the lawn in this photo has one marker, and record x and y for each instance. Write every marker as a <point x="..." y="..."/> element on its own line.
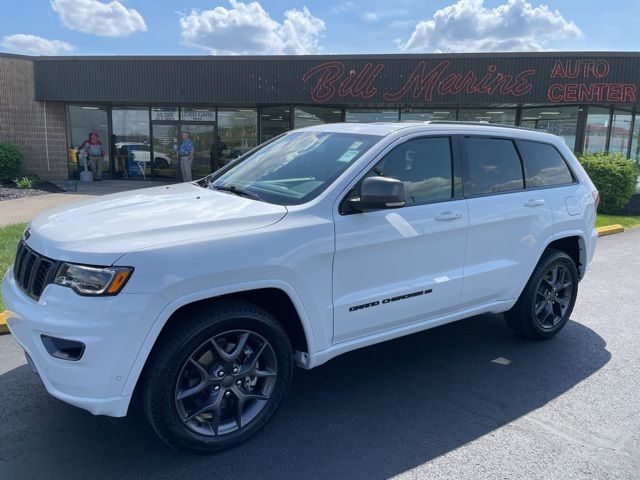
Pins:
<point x="603" y="220"/>
<point x="9" y="237"/>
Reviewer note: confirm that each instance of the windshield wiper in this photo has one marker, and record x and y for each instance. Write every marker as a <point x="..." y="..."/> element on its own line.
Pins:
<point x="237" y="190"/>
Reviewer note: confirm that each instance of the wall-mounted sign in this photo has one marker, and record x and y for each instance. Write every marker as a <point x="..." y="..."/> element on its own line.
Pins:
<point x="372" y="81"/>
<point x="198" y="114"/>
<point x="164" y="113"/>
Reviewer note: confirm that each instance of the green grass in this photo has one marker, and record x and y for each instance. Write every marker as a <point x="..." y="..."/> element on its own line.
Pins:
<point x="603" y="220"/>
<point x="9" y="237"/>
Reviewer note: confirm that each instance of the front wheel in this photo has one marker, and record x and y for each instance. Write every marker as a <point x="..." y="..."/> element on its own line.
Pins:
<point x="217" y="377"/>
<point x="547" y="300"/>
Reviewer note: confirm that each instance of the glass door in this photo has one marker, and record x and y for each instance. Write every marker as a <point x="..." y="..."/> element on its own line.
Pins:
<point x="165" y="162"/>
<point x="203" y="137"/>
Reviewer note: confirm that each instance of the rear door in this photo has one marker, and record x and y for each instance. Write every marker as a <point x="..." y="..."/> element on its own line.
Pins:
<point x="397" y="266"/>
<point x="506" y="222"/>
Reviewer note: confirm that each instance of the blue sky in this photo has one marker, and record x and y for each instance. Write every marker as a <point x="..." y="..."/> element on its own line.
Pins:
<point x="194" y="27"/>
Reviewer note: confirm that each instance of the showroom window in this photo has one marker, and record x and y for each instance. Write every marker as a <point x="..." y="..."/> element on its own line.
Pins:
<point x="424" y="114"/>
<point x="505" y="116"/>
<point x="308" y="116"/>
<point x="273" y="122"/>
<point x="620" y="131"/>
<point x="561" y="121"/>
<point x="131" y="142"/>
<point x="371" y="115"/>
<point x="237" y="134"/>
<point x="595" y="136"/>
<point x="84" y="119"/>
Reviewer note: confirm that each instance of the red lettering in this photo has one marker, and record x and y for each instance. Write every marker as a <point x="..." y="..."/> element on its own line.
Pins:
<point x="629" y="95"/>
<point x="324" y="89"/>
<point x="601" y="69"/>
<point x="555" y="93"/>
<point x="421" y="81"/>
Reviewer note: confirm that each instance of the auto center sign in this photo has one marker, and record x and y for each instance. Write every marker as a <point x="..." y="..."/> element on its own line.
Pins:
<point x="345" y="80"/>
<point x="449" y="81"/>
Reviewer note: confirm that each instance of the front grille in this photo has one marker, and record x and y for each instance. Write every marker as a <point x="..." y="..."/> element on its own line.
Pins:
<point x="32" y="271"/>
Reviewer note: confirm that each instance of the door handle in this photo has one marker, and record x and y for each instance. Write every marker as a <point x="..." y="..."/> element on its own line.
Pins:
<point x="538" y="202"/>
<point x="448" y="216"/>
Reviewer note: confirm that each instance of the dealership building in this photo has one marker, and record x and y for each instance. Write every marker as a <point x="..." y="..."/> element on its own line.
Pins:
<point x="228" y="104"/>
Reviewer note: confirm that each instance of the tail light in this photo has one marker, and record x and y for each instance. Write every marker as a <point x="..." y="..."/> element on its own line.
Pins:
<point x="596" y="198"/>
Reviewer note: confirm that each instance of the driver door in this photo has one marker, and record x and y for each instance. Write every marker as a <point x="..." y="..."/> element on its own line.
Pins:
<point x="393" y="267"/>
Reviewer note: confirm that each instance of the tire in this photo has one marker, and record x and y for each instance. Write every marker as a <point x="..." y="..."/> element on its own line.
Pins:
<point x="197" y="395"/>
<point x="161" y="163"/>
<point x="544" y="307"/>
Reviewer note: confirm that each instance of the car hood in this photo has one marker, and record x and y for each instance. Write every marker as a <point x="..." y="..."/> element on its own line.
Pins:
<point x="101" y="230"/>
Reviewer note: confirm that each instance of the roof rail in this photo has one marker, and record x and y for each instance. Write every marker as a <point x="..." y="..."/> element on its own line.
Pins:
<point x="484" y="124"/>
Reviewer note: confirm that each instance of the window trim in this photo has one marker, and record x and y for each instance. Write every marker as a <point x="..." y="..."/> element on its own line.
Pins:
<point x="456" y="193"/>
<point x="574" y="179"/>
<point x="465" y="166"/>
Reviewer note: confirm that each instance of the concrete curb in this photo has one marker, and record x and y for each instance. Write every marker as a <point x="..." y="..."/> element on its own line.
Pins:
<point x="609" y="230"/>
<point x="3" y="322"/>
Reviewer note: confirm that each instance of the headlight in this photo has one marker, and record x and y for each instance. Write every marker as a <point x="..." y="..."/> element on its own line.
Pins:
<point x="92" y="280"/>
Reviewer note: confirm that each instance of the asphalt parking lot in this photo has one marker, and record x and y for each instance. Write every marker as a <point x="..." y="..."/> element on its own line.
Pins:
<point x="432" y="405"/>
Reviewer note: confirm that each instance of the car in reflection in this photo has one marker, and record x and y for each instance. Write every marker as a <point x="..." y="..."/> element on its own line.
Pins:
<point x="141" y="152"/>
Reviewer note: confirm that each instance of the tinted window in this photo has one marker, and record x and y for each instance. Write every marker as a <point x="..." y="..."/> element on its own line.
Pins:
<point x="543" y="165"/>
<point x="493" y="165"/>
<point x="424" y="165"/>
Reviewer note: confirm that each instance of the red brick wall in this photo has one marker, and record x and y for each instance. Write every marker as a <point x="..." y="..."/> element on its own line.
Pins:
<point x="22" y="121"/>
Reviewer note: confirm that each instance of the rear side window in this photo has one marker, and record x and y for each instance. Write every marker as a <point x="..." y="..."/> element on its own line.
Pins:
<point x="424" y="166"/>
<point x="543" y="165"/>
<point x="493" y="166"/>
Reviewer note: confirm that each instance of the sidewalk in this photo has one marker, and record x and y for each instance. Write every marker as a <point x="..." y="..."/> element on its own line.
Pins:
<point x="22" y="210"/>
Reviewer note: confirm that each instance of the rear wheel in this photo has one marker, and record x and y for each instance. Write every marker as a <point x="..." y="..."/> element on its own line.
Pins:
<point x="161" y="163"/>
<point x="547" y="300"/>
<point x="216" y="378"/>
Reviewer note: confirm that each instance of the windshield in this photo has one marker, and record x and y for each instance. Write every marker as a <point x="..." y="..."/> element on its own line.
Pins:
<point x="294" y="168"/>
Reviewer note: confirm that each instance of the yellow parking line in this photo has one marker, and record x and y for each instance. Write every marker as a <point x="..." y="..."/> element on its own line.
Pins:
<point x="3" y="322"/>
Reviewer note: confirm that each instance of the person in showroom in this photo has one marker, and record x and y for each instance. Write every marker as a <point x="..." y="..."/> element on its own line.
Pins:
<point x="95" y="152"/>
<point x="185" y="152"/>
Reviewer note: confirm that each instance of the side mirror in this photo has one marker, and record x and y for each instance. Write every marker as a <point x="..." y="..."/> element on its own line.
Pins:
<point x="377" y="193"/>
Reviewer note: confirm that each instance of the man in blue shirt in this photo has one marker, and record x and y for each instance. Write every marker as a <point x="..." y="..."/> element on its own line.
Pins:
<point x="185" y="152"/>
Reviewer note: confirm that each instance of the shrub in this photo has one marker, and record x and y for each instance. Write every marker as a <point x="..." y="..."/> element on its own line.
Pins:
<point x="10" y="162"/>
<point x="615" y="177"/>
<point x="29" y="181"/>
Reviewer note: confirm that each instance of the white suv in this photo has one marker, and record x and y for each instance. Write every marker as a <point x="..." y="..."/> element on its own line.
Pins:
<point x="202" y="296"/>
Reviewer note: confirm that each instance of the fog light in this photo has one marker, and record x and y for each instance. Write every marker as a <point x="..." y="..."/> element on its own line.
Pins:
<point x="62" y="348"/>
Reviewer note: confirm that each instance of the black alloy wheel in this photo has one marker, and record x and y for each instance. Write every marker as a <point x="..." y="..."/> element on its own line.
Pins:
<point x="216" y="375"/>
<point x="546" y="303"/>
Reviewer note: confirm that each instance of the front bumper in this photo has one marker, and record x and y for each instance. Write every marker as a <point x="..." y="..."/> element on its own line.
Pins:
<point x="112" y="328"/>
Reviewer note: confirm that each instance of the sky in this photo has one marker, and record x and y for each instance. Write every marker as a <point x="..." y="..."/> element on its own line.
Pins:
<point x="269" y="27"/>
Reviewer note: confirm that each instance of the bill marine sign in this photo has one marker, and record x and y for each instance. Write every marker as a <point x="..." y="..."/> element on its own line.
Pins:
<point x="449" y="81"/>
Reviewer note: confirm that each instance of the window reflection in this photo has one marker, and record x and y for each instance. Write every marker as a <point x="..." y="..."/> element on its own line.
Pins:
<point x="273" y="122"/>
<point x="620" y="131"/>
<point x="561" y="121"/>
<point x="595" y="137"/>
<point x="132" y="152"/>
<point x="371" y="115"/>
<point x="505" y="116"/>
<point x="422" y="114"/>
<point x="237" y="134"/>
<point x="304" y="116"/>
<point x="84" y="119"/>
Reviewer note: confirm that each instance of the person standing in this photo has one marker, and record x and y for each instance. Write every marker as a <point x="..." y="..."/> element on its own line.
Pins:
<point x="95" y="152"/>
<point x="185" y="152"/>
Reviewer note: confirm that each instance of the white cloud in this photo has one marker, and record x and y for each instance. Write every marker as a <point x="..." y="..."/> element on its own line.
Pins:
<point x="33" y="45"/>
<point x="469" y="26"/>
<point x="105" y="19"/>
<point x="248" y="28"/>
<point x="371" y="16"/>
<point x="343" y="7"/>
